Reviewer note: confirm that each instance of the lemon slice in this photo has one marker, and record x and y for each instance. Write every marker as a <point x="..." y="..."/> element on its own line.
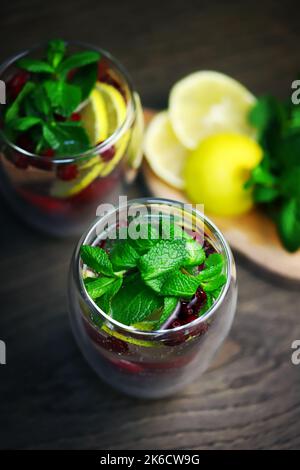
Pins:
<point x="121" y="146"/>
<point x="64" y="189"/>
<point x="164" y="152"/>
<point x="206" y="103"/>
<point x="135" y="149"/>
<point x="138" y="342"/>
<point x="94" y="117"/>
<point x="114" y="104"/>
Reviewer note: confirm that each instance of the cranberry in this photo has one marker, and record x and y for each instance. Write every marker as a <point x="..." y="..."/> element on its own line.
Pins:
<point x="201" y="295"/>
<point x="186" y="309"/>
<point x="103" y="68"/>
<point x="75" y="117"/>
<point x="108" y="154"/>
<point x="59" y="118"/>
<point x="200" y="330"/>
<point x="189" y="318"/>
<point x="208" y="248"/>
<point x="24" y="142"/>
<point x="20" y="161"/>
<point x="201" y="267"/>
<point x="102" y="243"/>
<point x="175" y="324"/>
<point x="67" y="172"/>
<point x="45" y="163"/>
<point x="110" y="343"/>
<point x="71" y="74"/>
<point x="17" y="82"/>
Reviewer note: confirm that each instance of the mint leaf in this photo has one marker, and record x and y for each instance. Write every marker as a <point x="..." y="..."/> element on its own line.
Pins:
<point x="85" y="78"/>
<point x="64" y="98"/>
<point x="41" y="101"/>
<point x="123" y="256"/>
<point x="287" y="151"/>
<point x="55" y="52"/>
<point x="66" y="138"/>
<point x="13" y="110"/>
<point x="260" y="175"/>
<point x="290" y="183"/>
<point x="262" y="194"/>
<point x="97" y="259"/>
<point x="289" y="224"/>
<point x="134" y="302"/>
<point x="170" y="230"/>
<point x="33" y="65"/>
<point x="195" y="254"/>
<point x="105" y="301"/>
<point x="208" y="304"/>
<point x="24" y="123"/>
<point x="170" y="303"/>
<point x="148" y="236"/>
<point x="99" y="286"/>
<point x="213" y="266"/>
<point x="78" y="60"/>
<point x="163" y="257"/>
<point x="178" y="284"/>
<point x="210" y="285"/>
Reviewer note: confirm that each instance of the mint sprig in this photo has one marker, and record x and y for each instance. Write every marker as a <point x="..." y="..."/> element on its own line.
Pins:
<point x="134" y="287"/>
<point x="51" y="96"/>
<point x="275" y="181"/>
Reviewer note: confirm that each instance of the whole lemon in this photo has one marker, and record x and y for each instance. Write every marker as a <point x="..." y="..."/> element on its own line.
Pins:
<point x="215" y="173"/>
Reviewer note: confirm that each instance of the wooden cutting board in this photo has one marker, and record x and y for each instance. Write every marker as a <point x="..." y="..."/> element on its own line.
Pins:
<point x="253" y="234"/>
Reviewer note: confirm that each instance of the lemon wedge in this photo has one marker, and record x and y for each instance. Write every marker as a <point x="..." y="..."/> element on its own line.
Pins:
<point x="114" y="104"/>
<point x="135" y="149"/>
<point x="164" y="152"/>
<point x="94" y="117"/>
<point x="206" y="103"/>
<point x="121" y="146"/>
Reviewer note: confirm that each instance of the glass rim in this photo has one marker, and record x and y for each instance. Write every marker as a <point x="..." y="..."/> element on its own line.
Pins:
<point x="154" y="333"/>
<point x="101" y="147"/>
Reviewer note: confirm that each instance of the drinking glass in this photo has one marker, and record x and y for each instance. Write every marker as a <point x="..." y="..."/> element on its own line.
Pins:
<point x="33" y="184"/>
<point x="150" y="364"/>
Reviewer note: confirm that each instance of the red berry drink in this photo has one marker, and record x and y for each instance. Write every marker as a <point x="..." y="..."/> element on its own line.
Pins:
<point x="152" y="296"/>
<point x="71" y="134"/>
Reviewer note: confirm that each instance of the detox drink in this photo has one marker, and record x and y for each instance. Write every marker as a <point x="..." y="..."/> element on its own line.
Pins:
<point x="152" y="296"/>
<point x="71" y="134"/>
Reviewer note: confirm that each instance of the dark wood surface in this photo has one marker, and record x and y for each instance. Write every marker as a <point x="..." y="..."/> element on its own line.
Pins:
<point x="49" y="398"/>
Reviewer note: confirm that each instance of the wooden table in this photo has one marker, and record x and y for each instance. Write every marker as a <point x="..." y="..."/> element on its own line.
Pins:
<point x="49" y="398"/>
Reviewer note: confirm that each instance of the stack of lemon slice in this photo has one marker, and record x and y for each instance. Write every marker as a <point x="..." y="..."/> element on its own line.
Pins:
<point x="102" y="114"/>
<point x="202" y="104"/>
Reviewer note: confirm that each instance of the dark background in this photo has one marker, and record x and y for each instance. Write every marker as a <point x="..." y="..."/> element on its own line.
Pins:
<point x="49" y="398"/>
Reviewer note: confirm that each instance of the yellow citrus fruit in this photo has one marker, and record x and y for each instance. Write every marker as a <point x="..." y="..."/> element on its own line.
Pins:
<point x="94" y="117"/>
<point x="216" y="171"/>
<point x="64" y="189"/>
<point x="164" y="153"/>
<point x="114" y="104"/>
<point x="206" y="103"/>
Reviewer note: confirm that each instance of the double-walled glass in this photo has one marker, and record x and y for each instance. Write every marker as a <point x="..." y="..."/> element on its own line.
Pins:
<point x="35" y="185"/>
<point x="156" y="363"/>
